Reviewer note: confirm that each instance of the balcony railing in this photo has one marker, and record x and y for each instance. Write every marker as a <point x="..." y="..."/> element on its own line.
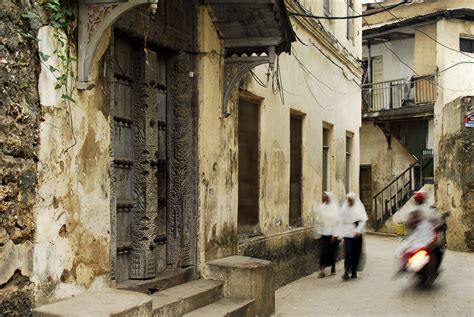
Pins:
<point x="395" y="94"/>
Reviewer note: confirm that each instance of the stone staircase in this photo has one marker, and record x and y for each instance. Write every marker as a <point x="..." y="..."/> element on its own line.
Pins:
<point x="191" y="298"/>
<point x="238" y="287"/>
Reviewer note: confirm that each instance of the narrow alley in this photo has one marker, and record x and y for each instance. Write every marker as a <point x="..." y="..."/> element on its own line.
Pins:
<point x="376" y="293"/>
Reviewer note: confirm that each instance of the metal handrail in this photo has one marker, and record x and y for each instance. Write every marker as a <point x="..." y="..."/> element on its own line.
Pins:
<point x="398" y="177"/>
<point x="394" y="94"/>
<point x="391" y="198"/>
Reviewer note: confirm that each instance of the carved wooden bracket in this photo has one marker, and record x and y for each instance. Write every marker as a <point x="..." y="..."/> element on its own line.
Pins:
<point x="236" y="67"/>
<point x="95" y="17"/>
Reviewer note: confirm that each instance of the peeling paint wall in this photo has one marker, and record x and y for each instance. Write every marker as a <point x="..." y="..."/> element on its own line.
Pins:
<point x="455" y="173"/>
<point x="331" y="99"/>
<point x="321" y="102"/>
<point x="20" y="115"/>
<point x="293" y="254"/>
<point x="392" y="67"/>
<point x="217" y="152"/>
<point x="425" y="53"/>
<point x="387" y="160"/>
<point x="72" y="212"/>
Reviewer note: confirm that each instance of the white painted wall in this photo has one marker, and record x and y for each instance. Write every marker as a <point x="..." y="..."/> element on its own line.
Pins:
<point x="457" y="81"/>
<point x="392" y="67"/>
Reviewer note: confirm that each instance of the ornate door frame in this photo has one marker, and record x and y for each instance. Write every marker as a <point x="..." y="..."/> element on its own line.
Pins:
<point x="182" y="177"/>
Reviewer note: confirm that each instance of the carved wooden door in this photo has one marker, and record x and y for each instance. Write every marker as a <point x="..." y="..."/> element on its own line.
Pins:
<point x="139" y="154"/>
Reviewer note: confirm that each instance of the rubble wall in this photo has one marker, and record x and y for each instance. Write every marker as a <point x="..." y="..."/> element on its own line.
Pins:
<point x="20" y="115"/>
<point x="454" y="177"/>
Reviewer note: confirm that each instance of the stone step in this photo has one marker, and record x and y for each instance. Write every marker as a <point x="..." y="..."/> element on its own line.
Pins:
<point x="226" y="308"/>
<point x="100" y="303"/>
<point x="246" y="278"/>
<point x="179" y="300"/>
<point x="164" y="280"/>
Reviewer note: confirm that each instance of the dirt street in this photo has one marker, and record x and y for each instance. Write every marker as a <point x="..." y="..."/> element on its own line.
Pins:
<point x="376" y="293"/>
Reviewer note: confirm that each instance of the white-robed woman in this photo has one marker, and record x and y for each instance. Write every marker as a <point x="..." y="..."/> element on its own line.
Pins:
<point x="327" y="220"/>
<point x="351" y="227"/>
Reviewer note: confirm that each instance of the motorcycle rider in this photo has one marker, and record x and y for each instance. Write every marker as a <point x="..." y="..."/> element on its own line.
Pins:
<point x="423" y="222"/>
<point x="421" y="233"/>
<point x="428" y="212"/>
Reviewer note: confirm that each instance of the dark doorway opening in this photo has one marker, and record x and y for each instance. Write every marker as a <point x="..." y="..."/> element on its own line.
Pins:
<point x="296" y="139"/>
<point x="248" y="190"/>
<point x="365" y="185"/>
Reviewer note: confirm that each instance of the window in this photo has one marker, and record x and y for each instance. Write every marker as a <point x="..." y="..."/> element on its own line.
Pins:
<point x="466" y="44"/>
<point x="325" y="171"/>
<point x="350" y="22"/>
<point x="348" y="163"/>
<point x="327" y="7"/>
<point x="296" y="139"/>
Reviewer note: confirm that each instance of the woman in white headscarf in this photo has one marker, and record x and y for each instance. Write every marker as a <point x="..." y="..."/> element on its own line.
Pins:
<point x="327" y="219"/>
<point x="353" y="219"/>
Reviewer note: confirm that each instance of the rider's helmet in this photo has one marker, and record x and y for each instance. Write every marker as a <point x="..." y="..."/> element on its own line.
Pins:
<point x="420" y="197"/>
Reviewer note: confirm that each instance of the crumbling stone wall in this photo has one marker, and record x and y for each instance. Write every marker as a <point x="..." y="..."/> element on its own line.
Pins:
<point x="454" y="178"/>
<point x="19" y="121"/>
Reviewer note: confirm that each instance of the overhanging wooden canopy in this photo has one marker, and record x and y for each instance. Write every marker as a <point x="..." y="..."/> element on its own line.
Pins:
<point x="253" y="33"/>
<point x="252" y="26"/>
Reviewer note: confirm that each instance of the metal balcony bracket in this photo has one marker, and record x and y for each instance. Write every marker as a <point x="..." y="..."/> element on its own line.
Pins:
<point x="95" y="17"/>
<point x="235" y="67"/>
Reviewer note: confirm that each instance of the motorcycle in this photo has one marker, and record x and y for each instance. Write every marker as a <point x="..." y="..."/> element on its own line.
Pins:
<point x="425" y="260"/>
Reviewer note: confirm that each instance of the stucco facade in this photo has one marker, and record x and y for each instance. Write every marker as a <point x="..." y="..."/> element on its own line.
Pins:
<point x="75" y="201"/>
<point x="388" y="159"/>
<point x="419" y="54"/>
<point x="308" y="95"/>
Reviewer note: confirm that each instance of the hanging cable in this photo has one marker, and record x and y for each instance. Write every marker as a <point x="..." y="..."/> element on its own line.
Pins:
<point x="329" y="59"/>
<point x="454" y="65"/>
<point x="427" y="35"/>
<point x="411" y="68"/>
<point x="305" y="15"/>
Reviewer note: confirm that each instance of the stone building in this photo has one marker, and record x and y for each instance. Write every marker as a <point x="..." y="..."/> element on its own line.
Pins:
<point x="145" y="141"/>
<point x="418" y="59"/>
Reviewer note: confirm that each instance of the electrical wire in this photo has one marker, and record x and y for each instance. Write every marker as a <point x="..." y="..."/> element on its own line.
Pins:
<point x="454" y="65"/>
<point x="327" y="33"/>
<point x="411" y="68"/>
<point x="427" y="35"/>
<point x="329" y="59"/>
<point x="305" y="69"/>
<point x="305" y="15"/>
<point x="258" y="80"/>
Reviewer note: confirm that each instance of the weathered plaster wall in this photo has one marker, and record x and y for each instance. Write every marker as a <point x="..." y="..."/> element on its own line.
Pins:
<point x="338" y="28"/>
<point x="425" y="50"/>
<point x="321" y="99"/>
<point x="387" y="161"/>
<point x="455" y="173"/>
<point x="293" y="254"/>
<point x="217" y="152"/>
<point x="319" y="104"/>
<point x="72" y="212"/>
<point x="392" y="67"/>
<point x="457" y="81"/>
<point x="20" y="115"/>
